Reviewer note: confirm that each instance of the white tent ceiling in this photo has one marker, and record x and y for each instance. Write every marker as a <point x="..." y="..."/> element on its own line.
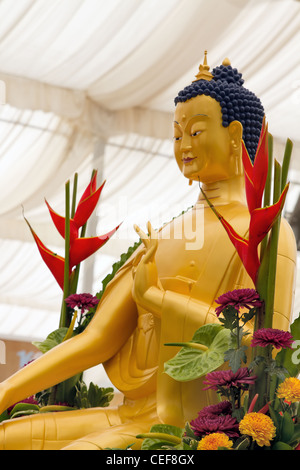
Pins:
<point x="90" y="84"/>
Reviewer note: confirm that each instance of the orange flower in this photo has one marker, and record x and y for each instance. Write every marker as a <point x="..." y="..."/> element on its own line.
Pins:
<point x="258" y="426"/>
<point x="289" y="390"/>
<point x="214" y="441"/>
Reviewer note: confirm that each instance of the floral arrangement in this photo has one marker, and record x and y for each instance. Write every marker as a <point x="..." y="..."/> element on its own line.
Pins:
<point x="73" y="393"/>
<point x="259" y="392"/>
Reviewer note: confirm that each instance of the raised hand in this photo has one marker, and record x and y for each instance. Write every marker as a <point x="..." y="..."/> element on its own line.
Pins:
<point x="147" y="290"/>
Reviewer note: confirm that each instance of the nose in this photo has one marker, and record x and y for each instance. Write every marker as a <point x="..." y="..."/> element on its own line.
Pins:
<point x="186" y="142"/>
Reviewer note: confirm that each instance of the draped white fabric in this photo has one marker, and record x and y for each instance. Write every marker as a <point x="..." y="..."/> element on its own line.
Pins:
<point x="90" y="84"/>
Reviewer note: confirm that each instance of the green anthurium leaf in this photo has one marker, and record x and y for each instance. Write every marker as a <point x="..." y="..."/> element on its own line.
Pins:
<point x="192" y="362"/>
<point x="290" y="358"/>
<point x="207" y="333"/>
<point x="54" y="408"/>
<point x="53" y="339"/>
<point x="163" y="435"/>
<point x="24" y="407"/>
<point x="21" y="413"/>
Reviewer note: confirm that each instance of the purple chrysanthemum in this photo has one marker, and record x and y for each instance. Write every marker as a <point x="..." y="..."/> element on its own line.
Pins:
<point x="239" y="298"/>
<point x="271" y="336"/>
<point x="227" y="378"/>
<point x="83" y="302"/>
<point x="204" y="425"/>
<point x="222" y="408"/>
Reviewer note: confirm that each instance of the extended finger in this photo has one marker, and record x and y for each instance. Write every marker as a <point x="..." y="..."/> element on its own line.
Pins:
<point x="152" y="233"/>
<point x="143" y="236"/>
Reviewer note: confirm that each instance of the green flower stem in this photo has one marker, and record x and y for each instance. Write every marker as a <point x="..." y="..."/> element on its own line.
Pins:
<point x="286" y="162"/>
<point x="71" y="327"/>
<point x="267" y="191"/>
<point x="63" y="318"/>
<point x="75" y="273"/>
<point x="52" y="396"/>
<point x="268" y="384"/>
<point x="74" y="195"/>
<point x="189" y="344"/>
<point x="274" y="237"/>
<point x="161" y="436"/>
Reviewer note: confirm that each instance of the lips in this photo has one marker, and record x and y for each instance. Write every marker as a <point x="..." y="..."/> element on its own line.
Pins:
<point x="188" y="159"/>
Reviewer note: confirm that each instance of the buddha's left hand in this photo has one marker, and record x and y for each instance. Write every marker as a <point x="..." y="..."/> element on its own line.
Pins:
<point x="147" y="290"/>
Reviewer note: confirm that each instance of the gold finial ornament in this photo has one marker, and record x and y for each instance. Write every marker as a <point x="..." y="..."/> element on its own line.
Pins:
<point x="204" y="73"/>
<point x="226" y="62"/>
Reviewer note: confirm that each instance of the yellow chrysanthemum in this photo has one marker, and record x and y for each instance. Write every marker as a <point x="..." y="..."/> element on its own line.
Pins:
<point x="289" y="390"/>
<point x="214" y="440"/>
<point x="259" y="426"/>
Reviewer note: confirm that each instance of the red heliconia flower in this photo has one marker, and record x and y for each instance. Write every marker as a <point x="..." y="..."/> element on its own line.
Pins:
<point x="261" y="218"/>
<point x="256" y="173"/>
<point x="261" y="222"/>
<point x="83" y="211"/>
<point x="55" y="263"/>
<point x="80" y="248"/>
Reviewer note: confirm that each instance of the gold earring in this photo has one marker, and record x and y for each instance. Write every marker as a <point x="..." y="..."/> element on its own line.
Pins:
<point x="190" y="182"/>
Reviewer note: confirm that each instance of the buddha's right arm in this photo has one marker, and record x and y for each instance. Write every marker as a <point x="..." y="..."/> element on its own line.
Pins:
<point x="112" y="325"/>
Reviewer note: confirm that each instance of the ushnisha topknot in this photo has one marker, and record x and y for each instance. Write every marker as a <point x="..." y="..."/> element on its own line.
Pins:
<point x="225" y="85"/>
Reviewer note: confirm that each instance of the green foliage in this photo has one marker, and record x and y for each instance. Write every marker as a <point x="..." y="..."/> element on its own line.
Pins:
<point x="242" y="443"/>
<point x="191" y="363"/>
<point x="287" y="430"/>
<point x="22" y="409"/>
<point x="189" y="438"/>
<point x="92" y="396"/>
<point x="52" y="340"/>
<point x="286" y="357"/>
<point x="65" y="391"/>
<point x="4" y="416"/>
<point x="163" y="437"/>
<point x="236" y="357"/>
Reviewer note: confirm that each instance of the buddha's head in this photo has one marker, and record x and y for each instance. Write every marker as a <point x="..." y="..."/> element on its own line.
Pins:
<point x="212" y="116"/>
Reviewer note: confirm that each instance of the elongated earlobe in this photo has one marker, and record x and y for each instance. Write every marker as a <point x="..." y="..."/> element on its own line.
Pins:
<point x="236" y="134"/>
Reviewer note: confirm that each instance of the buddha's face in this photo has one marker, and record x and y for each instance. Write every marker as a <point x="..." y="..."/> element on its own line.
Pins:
<point x="204" y="149"/>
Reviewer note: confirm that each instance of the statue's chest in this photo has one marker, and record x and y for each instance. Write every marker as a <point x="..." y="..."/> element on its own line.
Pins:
<point x="194" y="250"/>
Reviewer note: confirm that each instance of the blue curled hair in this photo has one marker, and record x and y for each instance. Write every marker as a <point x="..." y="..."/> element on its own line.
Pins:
<point x="237" y="103"/>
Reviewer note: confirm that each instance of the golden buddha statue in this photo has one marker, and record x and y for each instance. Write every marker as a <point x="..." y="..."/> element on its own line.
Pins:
<point x="166" y="290"/>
